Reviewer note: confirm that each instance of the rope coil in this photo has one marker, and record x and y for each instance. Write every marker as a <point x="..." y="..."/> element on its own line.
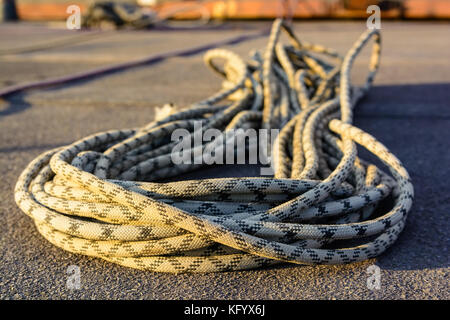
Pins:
<point x="89" y="197"/>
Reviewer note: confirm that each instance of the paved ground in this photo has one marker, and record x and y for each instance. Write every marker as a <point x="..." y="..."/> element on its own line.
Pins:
<point x="408" y="110"/>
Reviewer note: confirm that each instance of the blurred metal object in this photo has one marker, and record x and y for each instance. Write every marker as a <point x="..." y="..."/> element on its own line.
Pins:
<point x="9" y="11"/>
<point x="111" y="14"/>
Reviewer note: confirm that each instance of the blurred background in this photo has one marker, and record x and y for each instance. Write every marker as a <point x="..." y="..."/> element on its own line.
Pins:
<point x="238" y="9"/>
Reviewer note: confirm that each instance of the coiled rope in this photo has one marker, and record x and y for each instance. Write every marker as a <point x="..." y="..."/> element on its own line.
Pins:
<point x="127" y="14"/>
<point x="89" y="198"/>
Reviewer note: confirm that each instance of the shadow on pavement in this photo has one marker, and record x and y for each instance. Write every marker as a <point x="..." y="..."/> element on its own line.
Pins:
<point x="413" y="122"/>
<point x="15" y="104"/>
<point x="431" y="100"/>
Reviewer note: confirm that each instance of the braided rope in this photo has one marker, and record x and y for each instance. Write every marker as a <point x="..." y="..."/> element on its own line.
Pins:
<point x="88" y="197"/>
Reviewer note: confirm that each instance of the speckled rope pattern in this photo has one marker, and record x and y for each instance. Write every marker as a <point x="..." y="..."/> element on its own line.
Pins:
<point x="89" y="197"/>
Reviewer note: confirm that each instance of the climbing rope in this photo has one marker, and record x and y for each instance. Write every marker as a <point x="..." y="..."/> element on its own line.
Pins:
<point x="100" y="196"/>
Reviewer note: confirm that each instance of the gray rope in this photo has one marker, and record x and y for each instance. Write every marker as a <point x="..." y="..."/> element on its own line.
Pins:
<point x="89" y="197"/>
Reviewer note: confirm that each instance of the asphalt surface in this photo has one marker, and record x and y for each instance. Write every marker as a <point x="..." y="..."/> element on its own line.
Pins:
<point x="408" y="110"/>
